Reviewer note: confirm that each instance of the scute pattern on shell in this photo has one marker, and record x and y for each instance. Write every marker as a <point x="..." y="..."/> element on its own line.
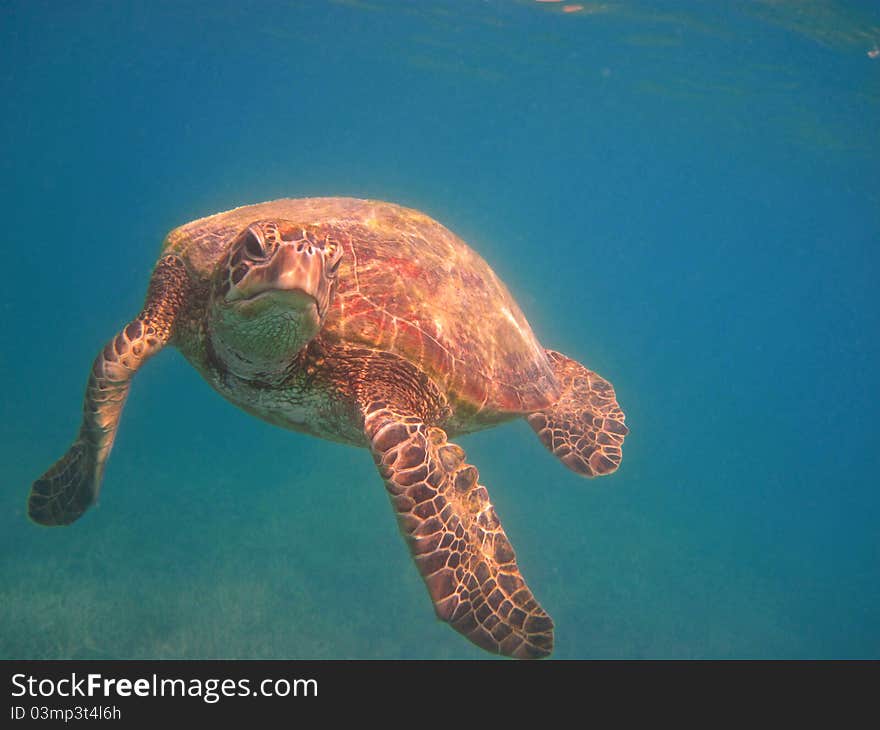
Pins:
<point x="409" y="286"/>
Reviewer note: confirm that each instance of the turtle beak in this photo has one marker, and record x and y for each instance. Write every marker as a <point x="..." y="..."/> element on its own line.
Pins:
<point x="296" y="275"/>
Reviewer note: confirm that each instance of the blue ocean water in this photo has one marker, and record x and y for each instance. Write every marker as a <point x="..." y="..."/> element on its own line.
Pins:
<point x="682" y="195"/>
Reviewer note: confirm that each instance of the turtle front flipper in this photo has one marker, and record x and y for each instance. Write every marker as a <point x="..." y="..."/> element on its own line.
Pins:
<point x="72" y="484"/>
<point x="455" y="536"/>
<point x="585" y="428"/>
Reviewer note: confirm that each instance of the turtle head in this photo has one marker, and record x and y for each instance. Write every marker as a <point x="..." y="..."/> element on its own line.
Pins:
<point x="270" y="295"/>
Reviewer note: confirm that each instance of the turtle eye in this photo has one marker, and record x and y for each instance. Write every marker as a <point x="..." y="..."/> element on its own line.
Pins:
<point x="252" y="246"/>
<point x="333" y="252"/>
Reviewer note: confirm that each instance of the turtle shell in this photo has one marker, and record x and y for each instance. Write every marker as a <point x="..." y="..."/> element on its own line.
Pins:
<point x="410" y="286"/>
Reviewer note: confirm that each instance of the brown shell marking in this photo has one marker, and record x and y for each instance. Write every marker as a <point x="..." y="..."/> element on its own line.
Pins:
<point x="410" y="286"/>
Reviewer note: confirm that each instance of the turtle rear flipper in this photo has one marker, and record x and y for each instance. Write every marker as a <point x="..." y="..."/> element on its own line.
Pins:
<point x="72" y="484"/>
<point x="585" y="428"/>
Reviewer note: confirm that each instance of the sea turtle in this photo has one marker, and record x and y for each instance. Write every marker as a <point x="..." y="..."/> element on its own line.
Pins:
<point x="371" y="324"/>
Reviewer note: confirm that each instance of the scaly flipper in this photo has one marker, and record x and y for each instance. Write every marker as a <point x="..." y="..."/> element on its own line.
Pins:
<point x="454" y="534"/>
<point x="67" y="489"/>
<point x="585" y="428"/>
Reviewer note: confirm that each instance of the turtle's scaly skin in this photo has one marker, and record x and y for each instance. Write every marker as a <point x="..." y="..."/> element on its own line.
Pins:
<point x="455" y="537"/>
<point x="370" y="324"/>
<point x="67" y="489"/>
<point x="585" y="428"/>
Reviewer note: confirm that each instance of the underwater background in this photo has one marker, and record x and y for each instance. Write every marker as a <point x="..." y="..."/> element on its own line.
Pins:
<point x="682" y="195"/>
